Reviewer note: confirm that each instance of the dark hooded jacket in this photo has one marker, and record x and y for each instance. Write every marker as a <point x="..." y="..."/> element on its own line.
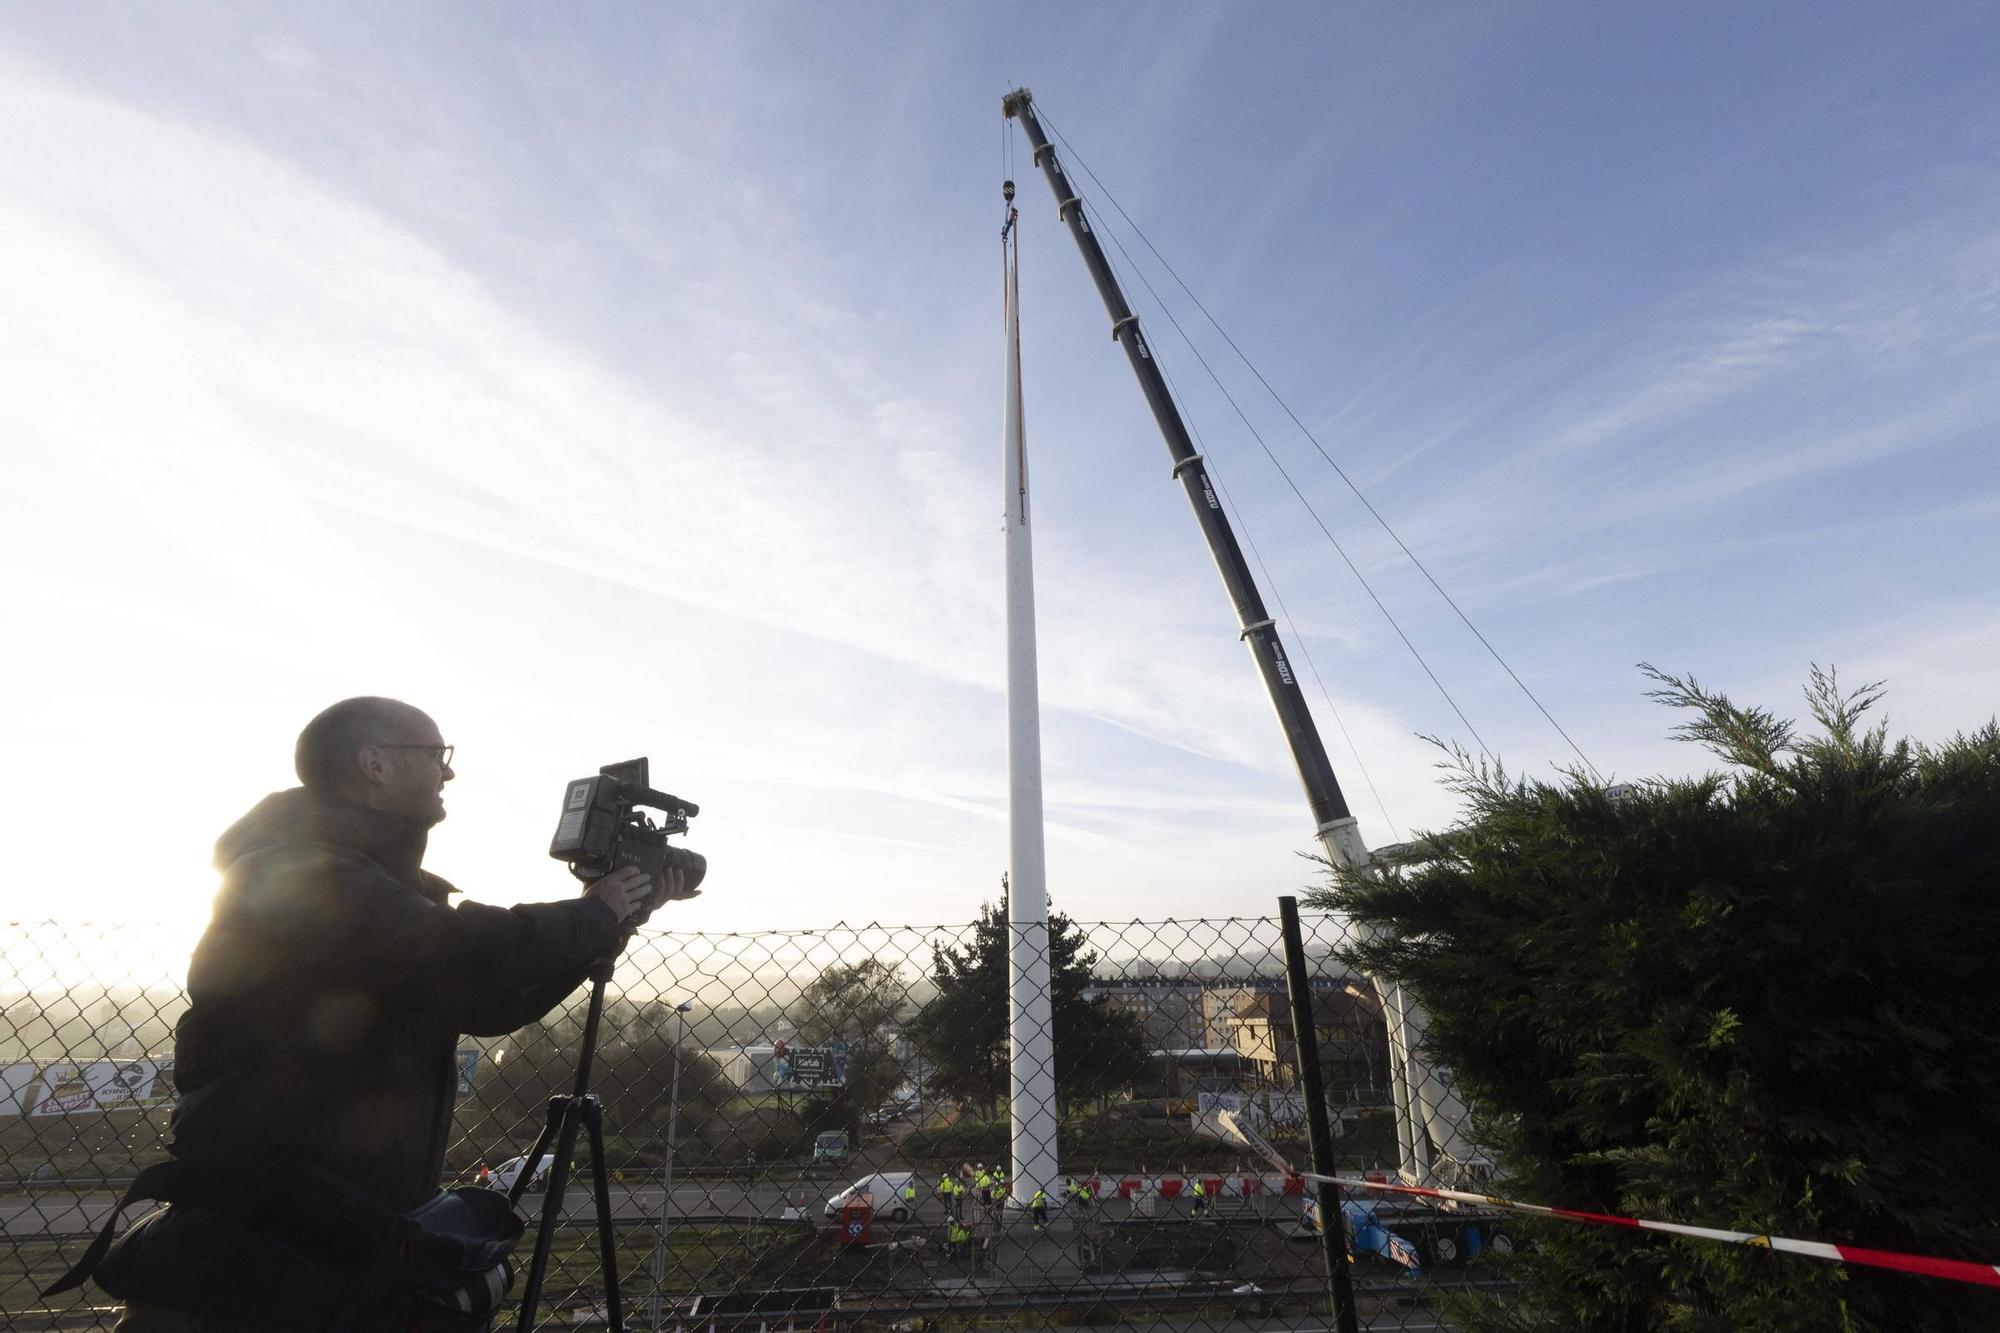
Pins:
<point x="330" y="989"/>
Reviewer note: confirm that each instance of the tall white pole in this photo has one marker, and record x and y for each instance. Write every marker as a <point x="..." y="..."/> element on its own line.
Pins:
<point x="1031" y="1072"/>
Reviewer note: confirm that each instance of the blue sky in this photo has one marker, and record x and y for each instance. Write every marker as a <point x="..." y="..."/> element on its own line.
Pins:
<point x="626" y="379"/>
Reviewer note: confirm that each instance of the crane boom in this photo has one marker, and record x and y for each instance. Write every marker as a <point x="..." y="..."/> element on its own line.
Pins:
<point x="1429" y="1117"/>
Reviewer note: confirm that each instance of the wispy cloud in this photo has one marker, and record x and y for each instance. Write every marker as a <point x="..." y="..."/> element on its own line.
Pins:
<point x="603" y="382"/>
<point x="255" y="378"/>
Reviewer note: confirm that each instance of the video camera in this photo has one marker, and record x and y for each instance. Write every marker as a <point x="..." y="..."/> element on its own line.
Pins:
<point x="602" y="829"/>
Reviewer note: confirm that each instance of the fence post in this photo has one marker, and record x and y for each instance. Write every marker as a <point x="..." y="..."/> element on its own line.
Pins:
<point x="1332" y="1226"/>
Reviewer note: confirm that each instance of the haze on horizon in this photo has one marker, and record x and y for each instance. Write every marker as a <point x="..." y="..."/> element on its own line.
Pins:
<point x="621" y="381"/>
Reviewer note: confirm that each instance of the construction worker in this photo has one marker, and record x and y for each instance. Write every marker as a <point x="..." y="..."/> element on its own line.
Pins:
<point x="958" y="1240"/>
<point x="947" y="1192"/>
<point x="1038" y="1208"/>
<point x="910" y="1194"/>
<point x="1083" y="1198"/>
<point x="1200" y="1198"/>
<point x="985" y="1182"/>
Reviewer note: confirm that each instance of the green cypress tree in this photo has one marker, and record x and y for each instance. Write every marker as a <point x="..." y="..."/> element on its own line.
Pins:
<point x="1766" y="999"/>
<point x="962" y="1031"/>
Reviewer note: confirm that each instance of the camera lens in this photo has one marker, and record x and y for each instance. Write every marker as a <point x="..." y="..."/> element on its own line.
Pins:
<point x="693" y="865"/>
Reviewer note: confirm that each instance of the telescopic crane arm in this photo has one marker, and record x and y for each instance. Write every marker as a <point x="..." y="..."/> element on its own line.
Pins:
<point x="1329" y="806"/>
<point x="1428" y="1114"/>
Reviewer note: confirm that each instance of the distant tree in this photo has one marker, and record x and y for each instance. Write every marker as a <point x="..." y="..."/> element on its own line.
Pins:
<point x="632" y="1074"/>
<point x="516" y="1078"/>
<point x="1764" y="1000"/>
<point x="855" y="1005"/>
<point x="962" y="1032"/>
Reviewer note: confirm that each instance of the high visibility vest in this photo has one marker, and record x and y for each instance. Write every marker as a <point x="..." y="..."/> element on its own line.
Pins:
<point x="910" y="1191"/>
<point x="1200" y="1191"/>
<point x="1041" y="1199"/>
<point x="959" y="1235"/>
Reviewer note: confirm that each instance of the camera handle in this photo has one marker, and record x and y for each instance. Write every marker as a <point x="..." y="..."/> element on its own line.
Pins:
<point x="567" y="1115"/>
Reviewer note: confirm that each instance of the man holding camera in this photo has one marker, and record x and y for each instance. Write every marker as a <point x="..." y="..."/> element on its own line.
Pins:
<point x="328" y="995"/>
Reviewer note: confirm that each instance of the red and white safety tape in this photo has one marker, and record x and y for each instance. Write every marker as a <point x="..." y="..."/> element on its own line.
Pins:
<point x="1957" y="1270"/>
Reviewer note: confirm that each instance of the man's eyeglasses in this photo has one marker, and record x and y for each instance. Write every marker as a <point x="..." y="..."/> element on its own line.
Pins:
<point x="443" y="752"/>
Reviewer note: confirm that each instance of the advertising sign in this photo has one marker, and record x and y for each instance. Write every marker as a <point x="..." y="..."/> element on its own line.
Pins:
<point x="1260" y="1110"/>
<point x="100" y="1085"/>
<point x="468" y="1071"/>
<point x="811" y="1067"/>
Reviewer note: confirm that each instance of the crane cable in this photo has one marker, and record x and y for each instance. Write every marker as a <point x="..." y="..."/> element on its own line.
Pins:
<point x="1009" y="240"/>
<point x="1070" y="153"/>
<point x="1327" y="532"/>
<point x="1298" y="638"/>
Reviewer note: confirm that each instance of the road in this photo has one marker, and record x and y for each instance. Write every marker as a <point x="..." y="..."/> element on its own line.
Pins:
<point x="52" y="1215"/>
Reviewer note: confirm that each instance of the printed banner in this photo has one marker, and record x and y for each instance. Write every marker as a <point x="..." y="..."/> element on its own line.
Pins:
<point x="811" y="1067"/>
<point x="1259" y="1110"/>
<point x="101" y="1085"/>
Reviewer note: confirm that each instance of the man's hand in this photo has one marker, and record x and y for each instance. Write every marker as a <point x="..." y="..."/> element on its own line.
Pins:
<point x="673" y="886"/>
<point x="625" y="890"/>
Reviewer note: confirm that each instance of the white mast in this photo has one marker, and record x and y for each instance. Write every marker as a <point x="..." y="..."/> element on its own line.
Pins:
<point x="1031" y="1073"/>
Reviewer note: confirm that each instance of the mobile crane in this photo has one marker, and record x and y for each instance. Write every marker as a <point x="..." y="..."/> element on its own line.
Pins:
<point x="1433" y="1146"/>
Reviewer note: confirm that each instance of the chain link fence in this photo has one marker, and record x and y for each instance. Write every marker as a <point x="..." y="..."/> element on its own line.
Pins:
<point x="811" y="1129"/>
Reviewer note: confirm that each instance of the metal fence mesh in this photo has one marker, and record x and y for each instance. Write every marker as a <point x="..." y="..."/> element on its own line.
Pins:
<point x="754" y="1086"/>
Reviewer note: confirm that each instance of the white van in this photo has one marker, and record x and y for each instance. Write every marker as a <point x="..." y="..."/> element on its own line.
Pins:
<point x="883" y="1190"/>
<point x="509" y="1171"/>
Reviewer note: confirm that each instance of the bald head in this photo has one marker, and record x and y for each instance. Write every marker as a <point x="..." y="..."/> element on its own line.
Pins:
<point x="379" y="752"/>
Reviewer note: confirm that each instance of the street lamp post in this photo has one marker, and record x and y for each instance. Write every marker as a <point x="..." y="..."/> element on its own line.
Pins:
<point x="667" y="1181"/>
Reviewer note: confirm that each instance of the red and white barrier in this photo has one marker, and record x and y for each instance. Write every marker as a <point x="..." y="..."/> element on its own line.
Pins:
<point x="1956" y="1270"/>
<point x="1241" y="1186"/>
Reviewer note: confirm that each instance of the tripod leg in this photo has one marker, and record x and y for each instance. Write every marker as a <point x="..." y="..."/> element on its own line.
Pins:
<point x="607" y="1240"/>
<point x="565" y="1110"/>
<point x="527" y="1171"/>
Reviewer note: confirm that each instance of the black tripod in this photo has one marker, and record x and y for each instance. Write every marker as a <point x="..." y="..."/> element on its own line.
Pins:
<point x="565" y="1113"/>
